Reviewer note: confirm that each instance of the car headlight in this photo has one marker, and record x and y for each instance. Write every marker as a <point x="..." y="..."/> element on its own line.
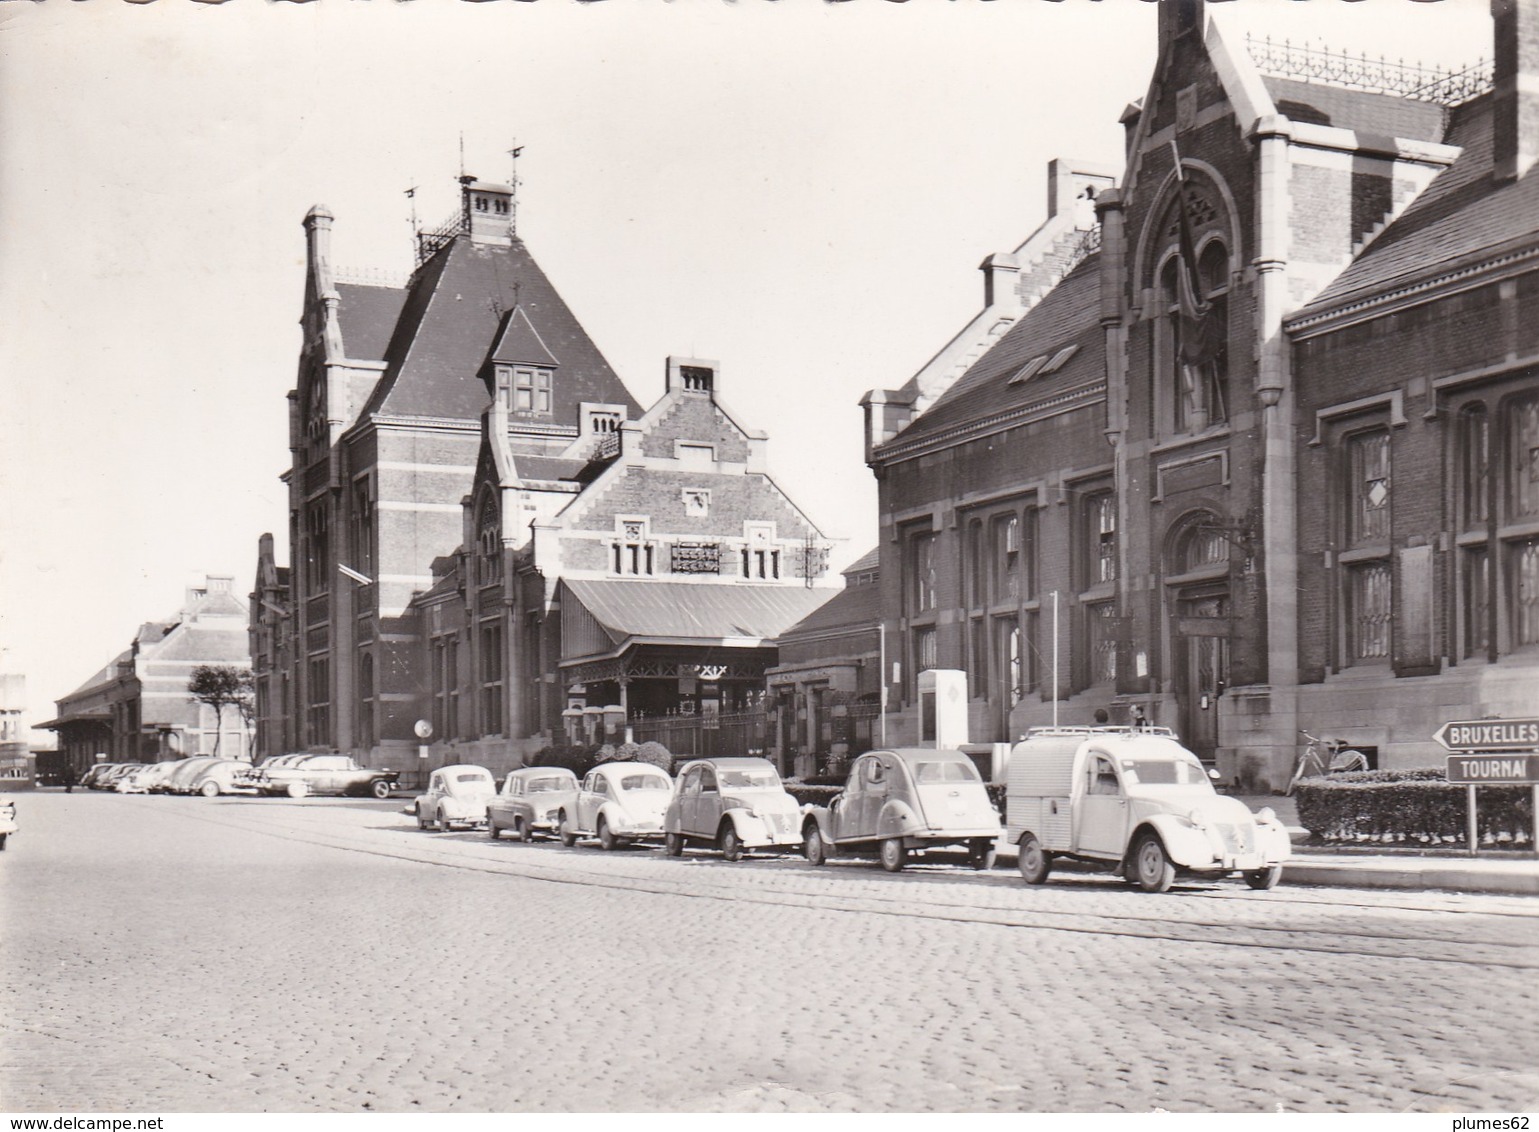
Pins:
<point x="1266" y="816"/>
<point x="1196" y="818"/>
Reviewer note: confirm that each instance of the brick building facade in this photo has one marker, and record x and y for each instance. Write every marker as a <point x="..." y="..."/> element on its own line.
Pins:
<point x="1327" y="520"/>
<point x="491" y="538"/>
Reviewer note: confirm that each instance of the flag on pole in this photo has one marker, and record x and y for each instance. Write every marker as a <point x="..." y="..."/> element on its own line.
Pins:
<point x="1201" y="336"/>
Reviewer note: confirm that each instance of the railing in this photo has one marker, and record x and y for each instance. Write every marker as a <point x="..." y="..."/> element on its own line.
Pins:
<point x="707" y="736"/>
<point x="1445" y="86"/>
<point x="429" y="240"/>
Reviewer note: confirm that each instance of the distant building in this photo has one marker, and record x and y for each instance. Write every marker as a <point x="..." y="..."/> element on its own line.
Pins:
<point x="1261" y="438"/>
<point x="137" y="708"/>
<point x="16" y="766"/>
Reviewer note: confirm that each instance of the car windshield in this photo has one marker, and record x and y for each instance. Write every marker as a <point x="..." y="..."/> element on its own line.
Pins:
<point x="645" y="782"/>
<point x="945" y="772"/>
<point x="547" y="785"/>
<point x="748" y="780"/>
<point x="1149" y="772"/>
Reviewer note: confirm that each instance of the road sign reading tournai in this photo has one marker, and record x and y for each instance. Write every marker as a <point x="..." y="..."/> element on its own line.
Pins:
<point x="1493" y="768"/>
<point x="1489" y="735"/>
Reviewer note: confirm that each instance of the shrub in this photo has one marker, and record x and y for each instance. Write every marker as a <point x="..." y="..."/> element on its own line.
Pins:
<point x="808" y="794"/>
<point x="603" y="753"/>
<point x="1410" y="806"/>
<point x="656" y="754"/>
<point x="626" y="753"/>
<point x="577" y="759"/>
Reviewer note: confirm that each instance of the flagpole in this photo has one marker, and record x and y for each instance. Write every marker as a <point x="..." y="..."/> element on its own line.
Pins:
<point x="1055" y="658"/>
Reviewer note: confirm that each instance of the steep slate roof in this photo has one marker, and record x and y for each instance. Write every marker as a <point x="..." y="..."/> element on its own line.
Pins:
<point x="690" y="611"/>
<point x="106" y="675"/>
<point x="1462" y="213"/>
<point x="451" y="315"/>
<point x="368" y="315"/>
<point x="854" y="607"/>
<point x="867" y="561"/>
<point x="547" y="467"/>
<point x="1067" y="315"/>
<point x="1387" y="115"/>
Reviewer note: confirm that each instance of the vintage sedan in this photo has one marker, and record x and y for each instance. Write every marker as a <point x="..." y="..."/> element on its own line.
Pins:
<point x="899" y="802"/>
<point x="732" y="804"/>
<point x="530" y="801"/>
<point x="456" y="795"/>
<point x="92" y="775"/>
<point x="220" y="776"/>
<point x="185" y="772"/>
<point x="322" y="774"/>
<point x="7" y="818"/>
<point x="617" y="803"/>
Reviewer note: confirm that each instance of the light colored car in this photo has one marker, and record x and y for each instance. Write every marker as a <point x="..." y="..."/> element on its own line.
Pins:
<point x="7" y="818"/>
<point x="1136" y="802"/>
<point x="158" y="779"/>
<point x="184" y="773"/>
<point x="732" y="804"/>
<point x="221" y="776"/>
<point x="456" y="795"/>
<point x="93" y="775"/>
<point x="904" y="801"/>
<point x="617" y="803"/>
<point x="108" y="779"/>
<point x="530" y="801"/>
<point x="144" y="779"/>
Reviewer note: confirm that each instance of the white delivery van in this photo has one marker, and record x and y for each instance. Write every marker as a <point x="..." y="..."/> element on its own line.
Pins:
<point x="1135" y="801"/>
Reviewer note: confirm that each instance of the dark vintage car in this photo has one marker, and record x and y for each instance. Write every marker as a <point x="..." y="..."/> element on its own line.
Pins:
<point x="905" y="801"/>
<point x="322" y="774"/>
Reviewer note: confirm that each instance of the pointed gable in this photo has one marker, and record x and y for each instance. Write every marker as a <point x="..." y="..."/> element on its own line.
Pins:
<point x="519" y="343"/>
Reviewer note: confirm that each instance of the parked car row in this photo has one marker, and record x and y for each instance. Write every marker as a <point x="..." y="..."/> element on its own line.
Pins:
<point x="293" y="776"/>
<point x="1134" y="802"/>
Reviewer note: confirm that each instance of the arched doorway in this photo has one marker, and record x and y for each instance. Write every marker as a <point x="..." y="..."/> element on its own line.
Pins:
<point x="1197" y="597"/>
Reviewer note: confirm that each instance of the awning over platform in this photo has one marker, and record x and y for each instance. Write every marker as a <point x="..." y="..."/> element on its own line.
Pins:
<point x="603" y="617"/>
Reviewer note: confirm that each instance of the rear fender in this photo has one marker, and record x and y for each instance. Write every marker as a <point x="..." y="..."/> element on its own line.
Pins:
<point x="818" y="816"/>
<point x="898" y="819"/>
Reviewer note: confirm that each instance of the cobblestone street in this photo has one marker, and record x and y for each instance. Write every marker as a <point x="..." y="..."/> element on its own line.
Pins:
<point x="172" y="954"/>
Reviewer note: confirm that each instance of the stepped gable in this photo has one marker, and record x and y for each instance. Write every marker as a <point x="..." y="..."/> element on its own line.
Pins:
<point x="368" y="315"/>
<point x="452" y="314"/>
<point x="1067" y="315"/>
<point x="1462" y="213"/>
<point x="1366" y="112"/>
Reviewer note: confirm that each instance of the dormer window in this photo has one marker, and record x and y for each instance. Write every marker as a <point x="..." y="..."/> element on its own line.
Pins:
<point x="531" y="390"/>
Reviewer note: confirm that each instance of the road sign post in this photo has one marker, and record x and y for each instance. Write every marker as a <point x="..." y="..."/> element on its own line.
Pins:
<point x="1492" y="752"/>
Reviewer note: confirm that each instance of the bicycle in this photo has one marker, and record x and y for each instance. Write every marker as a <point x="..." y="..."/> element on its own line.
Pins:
<point x="1313" y="763"/>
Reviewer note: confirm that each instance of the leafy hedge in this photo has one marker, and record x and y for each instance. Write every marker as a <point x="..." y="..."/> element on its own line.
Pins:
<point x="1415" y="807"/>
<point x="807" y="793"/>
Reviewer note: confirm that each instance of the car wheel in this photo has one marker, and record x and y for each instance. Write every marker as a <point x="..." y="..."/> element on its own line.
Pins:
<point x="380" y="788"/>
<point x="981" y="854"/>
<point x="493" y="830"/>
<point x="1153" y="867"/>
<point x="443" y="822"/>
<point x="730" y="843"/>
<point x="3" y="836"/>
<point x="1033" y="861"/>
<point x="1264" y="879"/>
<point x="894" y="856"/>
<point x="673" y="845"/>
<point x="297" y="790"/>
<point x="568" y="836"/>
<point x="607" y="840"/>
<point x="209" y="790"/>
<point x="812" y="846"/>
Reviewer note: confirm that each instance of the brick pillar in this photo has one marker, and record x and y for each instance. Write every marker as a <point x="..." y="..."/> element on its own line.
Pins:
<point x="1515" y="108"/>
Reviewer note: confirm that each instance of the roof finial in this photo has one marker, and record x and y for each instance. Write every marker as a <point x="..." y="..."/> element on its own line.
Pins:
<point x="513" y="185"/>
<point x="462" y="155"/>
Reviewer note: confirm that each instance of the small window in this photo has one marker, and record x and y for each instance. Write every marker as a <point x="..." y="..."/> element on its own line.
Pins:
<point x="1057" y="360"/>
<point x="532" y="390"/>
<point x="1029" y="370"/>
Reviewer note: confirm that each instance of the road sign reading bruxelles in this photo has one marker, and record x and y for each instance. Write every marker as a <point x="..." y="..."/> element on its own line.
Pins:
<point x="1482" y="735"/>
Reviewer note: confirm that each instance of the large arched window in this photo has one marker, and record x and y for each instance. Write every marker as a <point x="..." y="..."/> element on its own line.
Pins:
<point x="1191" y="353"/>
<point x="489" y="542"/>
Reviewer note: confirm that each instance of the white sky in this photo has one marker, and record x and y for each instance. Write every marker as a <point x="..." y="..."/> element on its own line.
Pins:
<point x="801" y="190"/>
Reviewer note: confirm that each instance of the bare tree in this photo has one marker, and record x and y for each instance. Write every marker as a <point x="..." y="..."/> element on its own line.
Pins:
<point x="221" y="686"/>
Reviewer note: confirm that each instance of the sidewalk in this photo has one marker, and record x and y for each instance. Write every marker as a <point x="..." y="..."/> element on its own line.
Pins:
<point x="1448" y="871"/>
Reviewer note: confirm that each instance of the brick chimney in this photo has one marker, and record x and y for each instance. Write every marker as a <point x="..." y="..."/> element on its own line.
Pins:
<point x="488" y="211"/>
<point x="1183" y="17"/>
<point x="1515" y="106"/>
